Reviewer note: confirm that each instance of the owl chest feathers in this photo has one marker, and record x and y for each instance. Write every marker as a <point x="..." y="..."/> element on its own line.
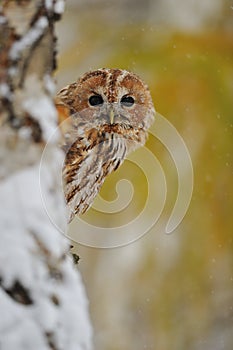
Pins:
<point x="88" y="162"/>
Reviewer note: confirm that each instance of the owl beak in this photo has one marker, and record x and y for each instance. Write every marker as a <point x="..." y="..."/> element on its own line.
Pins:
<point x="111" y="116"/>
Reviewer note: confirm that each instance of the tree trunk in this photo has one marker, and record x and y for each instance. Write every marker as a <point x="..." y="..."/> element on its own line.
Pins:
<point x="42" y="300"/>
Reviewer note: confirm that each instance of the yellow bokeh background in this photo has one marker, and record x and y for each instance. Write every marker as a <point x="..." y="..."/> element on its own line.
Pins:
<point x="173" y="291"/>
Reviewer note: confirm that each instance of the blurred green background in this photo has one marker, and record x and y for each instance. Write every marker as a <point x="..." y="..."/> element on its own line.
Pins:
<point x="165" y="291"/>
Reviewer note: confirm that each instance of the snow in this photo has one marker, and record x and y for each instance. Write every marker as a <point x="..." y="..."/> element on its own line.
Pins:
<point x="2" y="18"/>
<point x="36" y="249"/>
<point x="38" y="104"/>
<point x="49" y="4"/>
<point x="13" y="317"/>
<point x="46" y="105"/>
<point x="59" y="6"/>
<point x="4" y="90"/>
<point x="49" y="84"/>
<point x="29" y="38"/>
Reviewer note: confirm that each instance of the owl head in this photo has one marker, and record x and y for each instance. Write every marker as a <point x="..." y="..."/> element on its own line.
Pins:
<point x="106" y="114"/>
<point x="114" y="102"/>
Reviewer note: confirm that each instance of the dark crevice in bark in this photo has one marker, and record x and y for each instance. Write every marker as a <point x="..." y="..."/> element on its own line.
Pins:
<point x="18" y="292"/>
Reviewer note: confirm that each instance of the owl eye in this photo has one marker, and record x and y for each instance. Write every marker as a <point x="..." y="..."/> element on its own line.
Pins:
<point x="127" y="101"/>
<point x="96" y="100"/>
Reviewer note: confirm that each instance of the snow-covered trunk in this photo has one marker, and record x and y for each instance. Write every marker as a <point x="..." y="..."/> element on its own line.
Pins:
<point x="42" y="300"/>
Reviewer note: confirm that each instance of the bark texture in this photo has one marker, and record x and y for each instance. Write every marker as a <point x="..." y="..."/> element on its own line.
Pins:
<point x="42" y="300"/>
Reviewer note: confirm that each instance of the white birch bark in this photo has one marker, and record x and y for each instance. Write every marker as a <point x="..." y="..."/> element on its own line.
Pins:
<point x="42" y="299"/>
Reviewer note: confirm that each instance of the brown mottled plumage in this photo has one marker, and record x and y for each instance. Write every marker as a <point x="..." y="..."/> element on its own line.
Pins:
<point x="105" y="115"/>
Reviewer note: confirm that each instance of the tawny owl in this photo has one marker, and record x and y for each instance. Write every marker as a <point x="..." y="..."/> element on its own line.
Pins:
<point x="107" y="114"/>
